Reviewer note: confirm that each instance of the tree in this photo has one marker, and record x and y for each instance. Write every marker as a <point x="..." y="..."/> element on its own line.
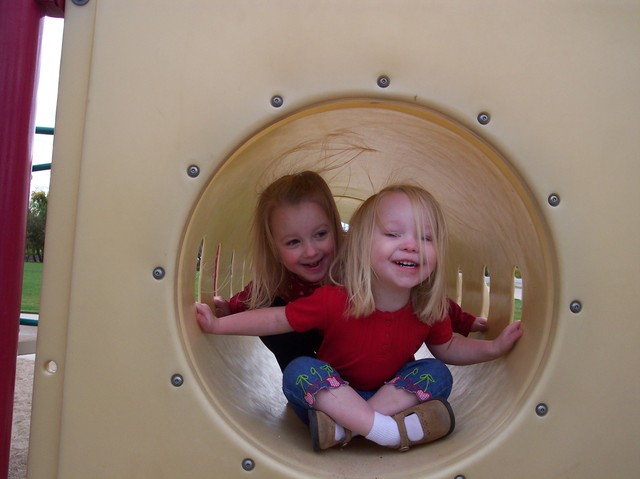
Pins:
<point x="36" y="220"/>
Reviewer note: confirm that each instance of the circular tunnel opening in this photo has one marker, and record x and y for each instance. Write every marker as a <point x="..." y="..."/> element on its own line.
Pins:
<point x="501" y="264"/>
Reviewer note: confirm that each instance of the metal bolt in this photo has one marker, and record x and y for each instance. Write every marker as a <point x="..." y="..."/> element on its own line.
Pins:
<point x="542" y="409"/>
<point x="484" y="118"/>
<point x="158" y="273"/>
<point x="554" y="200"/>
<point x="459" y="476"/>
<point x="193" y="171"/>
<point x="51" y="367"/>
<point x="177" y="380"/>
<point x="576" y="306"/>
<point x="383" y="81"/>
<point x="277" y="101"/>
<point x="80" y="3"/>
<point x="248" y="464"/>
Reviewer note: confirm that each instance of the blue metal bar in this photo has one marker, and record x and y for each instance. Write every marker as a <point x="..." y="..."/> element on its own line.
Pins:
<point x="28" y="322"/>
<point x="44" y="130"/>
<point x="41" y="167"/>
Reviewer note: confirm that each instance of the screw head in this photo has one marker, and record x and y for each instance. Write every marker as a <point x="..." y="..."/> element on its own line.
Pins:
<point x="542" y="409"/>
<point x="248" y="464"/>
<point x="51" y="367"/>
<point x="484" y="118"/>
<point x="383" y="81"/>
<point x="277" y="101"/>
<point x="193" y="171"/>
<point x="177" y="380"/>
<point x="575" y="306"/>
<point x="554" y="199"/>
<point x="158" y="273"/>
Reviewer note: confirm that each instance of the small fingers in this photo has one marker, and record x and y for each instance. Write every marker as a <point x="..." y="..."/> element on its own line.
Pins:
<point x="204" y="317"/>
<point x="481" y="324"/>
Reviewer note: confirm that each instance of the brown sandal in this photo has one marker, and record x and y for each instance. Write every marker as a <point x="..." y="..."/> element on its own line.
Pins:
<point x="323" y="431"/>
<point x="436" y="418"/>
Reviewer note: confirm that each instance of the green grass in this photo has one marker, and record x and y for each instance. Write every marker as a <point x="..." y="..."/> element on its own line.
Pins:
<point x="31" y="283"/>
<point x="517" y="311"/>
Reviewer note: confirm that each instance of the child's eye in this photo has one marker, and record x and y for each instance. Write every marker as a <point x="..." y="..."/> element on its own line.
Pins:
<point x="322" y="234"/>
<point x="293" y="242"/>
<point x="391" y="234"/>
<point x="427" y="238"/>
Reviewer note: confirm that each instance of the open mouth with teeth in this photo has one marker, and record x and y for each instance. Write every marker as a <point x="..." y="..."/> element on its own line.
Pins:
<point x="406" y="264"/>
<point x="312" y="265"/>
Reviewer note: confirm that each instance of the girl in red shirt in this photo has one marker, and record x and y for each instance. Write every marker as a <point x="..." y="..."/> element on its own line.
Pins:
<point x="389" y="298"/>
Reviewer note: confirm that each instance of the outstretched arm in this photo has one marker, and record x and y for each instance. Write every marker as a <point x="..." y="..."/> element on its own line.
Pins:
<point x="462" y="351"/>
<point x="257" y="322"/>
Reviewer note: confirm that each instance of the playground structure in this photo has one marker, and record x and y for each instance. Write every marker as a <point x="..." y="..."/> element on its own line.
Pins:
<point x="519" y="118"/>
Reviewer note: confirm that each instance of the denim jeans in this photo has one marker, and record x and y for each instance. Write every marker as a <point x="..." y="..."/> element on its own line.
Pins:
<point x="304" y="377"/>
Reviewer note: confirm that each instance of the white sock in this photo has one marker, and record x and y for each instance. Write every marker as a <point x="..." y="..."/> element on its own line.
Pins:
<point x="414" y="428"/>
<point x="339" y="433"/>
<point x="384" y="431"/>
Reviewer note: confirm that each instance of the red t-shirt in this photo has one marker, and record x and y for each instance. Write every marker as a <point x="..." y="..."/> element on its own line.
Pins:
<point x="293" y="288"/>
<point x="365" y="351"/>
<point x="461" y="321"/>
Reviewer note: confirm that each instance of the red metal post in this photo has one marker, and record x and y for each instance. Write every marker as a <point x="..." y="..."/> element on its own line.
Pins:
<point x="20" y="32"/>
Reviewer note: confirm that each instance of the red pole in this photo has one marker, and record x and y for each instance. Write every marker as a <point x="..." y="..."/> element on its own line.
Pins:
<point x="20" y="31"/>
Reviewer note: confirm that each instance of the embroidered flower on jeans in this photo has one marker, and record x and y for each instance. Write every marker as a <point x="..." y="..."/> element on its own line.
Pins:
<point x="333" y="382"/>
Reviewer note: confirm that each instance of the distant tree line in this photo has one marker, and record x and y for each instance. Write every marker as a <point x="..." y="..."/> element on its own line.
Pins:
<point x="36" y="220"/>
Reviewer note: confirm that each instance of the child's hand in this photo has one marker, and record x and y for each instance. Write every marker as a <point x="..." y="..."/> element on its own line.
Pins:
<point x="222" y="306"/>
<point x="461" y="351"/>
<point x="479" y="324"/>
<point x="205" y="318"/>
<point x="508" y="337"/>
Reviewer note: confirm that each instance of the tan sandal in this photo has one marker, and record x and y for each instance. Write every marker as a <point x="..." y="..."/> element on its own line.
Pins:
<point x="323" y="431"/>
<point x="436" y="418"/>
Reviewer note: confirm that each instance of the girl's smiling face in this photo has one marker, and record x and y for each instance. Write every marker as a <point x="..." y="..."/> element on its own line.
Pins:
<point x="401" y="256"/>
<point x="304" y="239"/>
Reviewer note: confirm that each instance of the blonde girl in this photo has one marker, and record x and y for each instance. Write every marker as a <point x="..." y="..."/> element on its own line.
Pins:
<point x="296" y="232"/>
<point x="388" y="299"/>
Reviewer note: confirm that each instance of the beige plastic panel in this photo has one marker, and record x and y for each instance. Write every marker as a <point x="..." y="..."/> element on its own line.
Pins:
<point x="149" y="89"/>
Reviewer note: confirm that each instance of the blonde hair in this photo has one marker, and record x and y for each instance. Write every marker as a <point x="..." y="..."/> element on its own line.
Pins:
<point x="352" y="268"/>
<point x="269" y="274"/>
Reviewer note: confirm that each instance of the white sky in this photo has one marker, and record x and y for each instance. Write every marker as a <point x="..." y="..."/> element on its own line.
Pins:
<point x="46" y="98"/>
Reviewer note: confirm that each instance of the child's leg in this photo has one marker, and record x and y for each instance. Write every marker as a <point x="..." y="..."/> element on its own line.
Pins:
<point x="412" y="425"/>
<point x="417" y="382"/>
<point x="309" y="383"/>
<point x="347" y="408"/>
<point x="303" y="379"/>
<point x="390" y="400"/>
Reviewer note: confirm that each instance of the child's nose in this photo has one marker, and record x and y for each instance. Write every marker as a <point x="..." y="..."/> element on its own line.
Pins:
<point x="410" y="244"/>
<point x="309" y="249"/>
